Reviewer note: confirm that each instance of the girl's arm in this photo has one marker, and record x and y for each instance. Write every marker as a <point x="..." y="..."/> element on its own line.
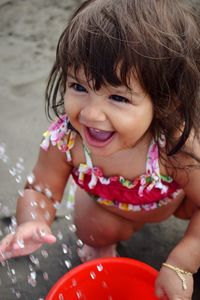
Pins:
<point x="50" y="174"/>
<point x="186" y="254"/>
<point x="35" y="209"/>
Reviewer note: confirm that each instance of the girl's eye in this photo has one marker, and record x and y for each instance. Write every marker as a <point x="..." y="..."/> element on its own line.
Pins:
<point x="78" y="87"/>
<point x="119" y="98"/>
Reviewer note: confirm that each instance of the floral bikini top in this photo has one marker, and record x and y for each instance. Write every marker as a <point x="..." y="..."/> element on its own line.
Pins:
<point x="146" y="192"/>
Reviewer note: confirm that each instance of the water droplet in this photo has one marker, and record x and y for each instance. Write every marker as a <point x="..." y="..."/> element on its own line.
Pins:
<point x="18" y="179"/>
<point x="42" y="204"/>
<point x="68" y="217"/>
<point x="34" y="260"/>
<point x="79" y="243"/>
<point x="21" y="160"/>
<point x="34" y="203"/>
<point x="72" y="228"/>
<point x="46" y="276"/>
<point x="38" y="188"/>
<point x="19" y="167"/>
<point x="92" y="275"/>
<point x="11" y="274"/>
<point x="31" y="267"/>
<point x="12" y="171"/>
<point x="20" y="244"/>
<point x="68" y="263"/>
<point x="42" y="232"/>
<point x="21" y="193"/>
<point x="61" y="297"/>
<point x="59" y="235"/>
<point x="48" y="193"/>
<point x="74" y="282"/>
<point x="17" y="293"/>
<point x="31" y="178"/>
<point x="79" y="294"/>
<point x="92" y="238"/>
<point x="44" y="253"/>
<point x="14" y="221"/>
<point x="12" y="229"/>
<point x="32" y="279"/>
<point x="2" y="150"/>
<point x="57" y="205"/>
<point x="65" y="248"/>
<point x="99" y="267"/>
<point x="33" y="215"/>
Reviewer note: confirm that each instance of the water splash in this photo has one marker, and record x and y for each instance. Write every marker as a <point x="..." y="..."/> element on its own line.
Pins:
<point x="17" y="173"/>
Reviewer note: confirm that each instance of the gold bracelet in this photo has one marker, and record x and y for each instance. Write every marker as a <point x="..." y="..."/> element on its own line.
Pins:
<point x="179" y="272"/>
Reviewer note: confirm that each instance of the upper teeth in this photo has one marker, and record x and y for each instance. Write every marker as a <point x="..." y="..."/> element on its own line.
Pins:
<point x="94" y="129"/>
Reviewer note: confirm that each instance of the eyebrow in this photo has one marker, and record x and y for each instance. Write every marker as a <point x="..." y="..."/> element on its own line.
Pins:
<point x="117" y="89"/>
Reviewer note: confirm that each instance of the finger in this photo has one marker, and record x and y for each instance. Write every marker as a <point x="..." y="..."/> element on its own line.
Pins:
<point x="5" y="255"/>
<point x="160" y="293"/>
<point x="45" y="236"/>
<point x="6" y="243"/>
<point x="5" y="250"/>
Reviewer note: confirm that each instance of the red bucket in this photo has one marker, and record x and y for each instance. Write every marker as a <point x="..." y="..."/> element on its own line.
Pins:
<point x="106" y="279"/>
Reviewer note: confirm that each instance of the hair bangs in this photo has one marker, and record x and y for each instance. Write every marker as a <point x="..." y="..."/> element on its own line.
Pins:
<point x="96" y="45"/>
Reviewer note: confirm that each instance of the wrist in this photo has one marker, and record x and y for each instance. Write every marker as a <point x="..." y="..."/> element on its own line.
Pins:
<point x="34" y="206"/>
<point x="186" y="255"/>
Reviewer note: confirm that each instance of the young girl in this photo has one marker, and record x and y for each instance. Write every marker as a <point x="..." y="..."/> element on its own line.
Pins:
<point x="125" y="90"/>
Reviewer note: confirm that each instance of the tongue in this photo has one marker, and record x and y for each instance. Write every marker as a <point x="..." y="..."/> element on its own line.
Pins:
<point x="100" y="135"/>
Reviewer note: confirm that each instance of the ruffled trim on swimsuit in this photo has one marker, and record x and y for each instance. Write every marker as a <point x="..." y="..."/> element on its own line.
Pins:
<point x="61" y="135"/>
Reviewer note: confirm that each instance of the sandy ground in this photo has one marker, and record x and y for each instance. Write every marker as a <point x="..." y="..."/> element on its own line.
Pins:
<point x="28" y="36"/>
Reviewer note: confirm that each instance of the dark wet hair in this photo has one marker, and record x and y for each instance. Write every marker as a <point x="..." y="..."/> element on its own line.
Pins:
<point x="158" y="40"/>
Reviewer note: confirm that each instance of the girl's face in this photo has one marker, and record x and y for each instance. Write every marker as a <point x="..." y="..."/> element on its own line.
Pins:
<point x="111" y="119"/>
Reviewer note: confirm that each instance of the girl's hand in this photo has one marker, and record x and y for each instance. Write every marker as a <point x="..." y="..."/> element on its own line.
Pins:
<point x="169" y="286"/>
<point x="29" y="237"/>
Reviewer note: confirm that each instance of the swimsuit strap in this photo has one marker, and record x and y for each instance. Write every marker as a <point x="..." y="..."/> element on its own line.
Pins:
<point x="87" y="156"/>
<point x="152" y="162"/>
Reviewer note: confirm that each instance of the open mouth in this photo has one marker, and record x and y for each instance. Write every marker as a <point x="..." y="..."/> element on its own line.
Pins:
<point x="97" y="137"/>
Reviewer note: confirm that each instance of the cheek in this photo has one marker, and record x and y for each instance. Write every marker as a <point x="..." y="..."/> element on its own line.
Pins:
<point x="70" y="106"/>
<point x="72" y="110"/>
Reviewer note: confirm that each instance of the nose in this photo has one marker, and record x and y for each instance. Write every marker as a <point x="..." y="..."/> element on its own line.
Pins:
<point x="93" y="111"/>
